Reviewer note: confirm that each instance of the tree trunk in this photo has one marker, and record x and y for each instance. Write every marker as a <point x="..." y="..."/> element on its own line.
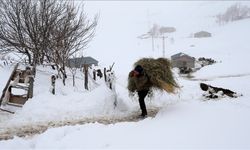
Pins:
<point x="29" y="58"/>
<point x="53" y="67"/>
<point x="63" y="74"/>
<point x="64" y="80"/>
<point x="42" y="58"/>
<point x="58" y="71"/>
<point x="35" y="59"/>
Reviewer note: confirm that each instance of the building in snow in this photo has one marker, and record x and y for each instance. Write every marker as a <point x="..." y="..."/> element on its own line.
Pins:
<point x="78" y="62"/>
<point x="202" y="34"/>
<point x="182" y="60"/>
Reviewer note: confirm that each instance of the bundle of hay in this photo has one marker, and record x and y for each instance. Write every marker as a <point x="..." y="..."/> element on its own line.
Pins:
<point x="157" y="73"/>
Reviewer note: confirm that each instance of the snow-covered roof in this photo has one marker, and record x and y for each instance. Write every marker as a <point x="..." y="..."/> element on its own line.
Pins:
<point x="178" y="55"/>
<point x="79" y="61"/>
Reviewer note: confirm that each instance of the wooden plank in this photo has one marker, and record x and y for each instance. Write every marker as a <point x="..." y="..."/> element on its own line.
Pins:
<point x="6" y="111"/>
<point x="18" y="99"/>
<point x="14" y="104"/>
<point x="21" y="86"/>
<point x="7" y="84"/>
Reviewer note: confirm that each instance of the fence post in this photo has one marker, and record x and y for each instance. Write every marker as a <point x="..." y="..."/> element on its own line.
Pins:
<point x="31" y="85"/>
<point x="105" y="75"/>
<point x="86" y="76"/>
<point x="111" y="85"/>
<point x="94" y="74"/>
<point x="53" y="84"/>
<point x="34" y="70"/>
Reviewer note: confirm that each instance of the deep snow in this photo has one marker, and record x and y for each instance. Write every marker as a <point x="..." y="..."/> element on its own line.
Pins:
<point x="185" y="120"/>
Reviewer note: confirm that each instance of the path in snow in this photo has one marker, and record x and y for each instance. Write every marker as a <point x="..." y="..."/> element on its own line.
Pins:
<point x="38" y="128"/>
<point x="4" y="116"/>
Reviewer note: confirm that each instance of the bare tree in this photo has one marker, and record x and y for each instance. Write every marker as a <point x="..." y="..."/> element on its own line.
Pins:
<point x="12" y="37"/>
<point x="45" y="30"/>
<point x="70" y="35"/>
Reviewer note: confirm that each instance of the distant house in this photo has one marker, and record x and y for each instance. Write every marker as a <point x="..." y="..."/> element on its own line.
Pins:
<point x="202" y="34"/>
<point x="182" y="60"/>
<point x="80" y="61"/>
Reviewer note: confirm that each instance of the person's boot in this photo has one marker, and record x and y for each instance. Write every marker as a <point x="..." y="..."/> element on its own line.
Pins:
<point x="144" y="114"/>
<point x="143" y="109"/>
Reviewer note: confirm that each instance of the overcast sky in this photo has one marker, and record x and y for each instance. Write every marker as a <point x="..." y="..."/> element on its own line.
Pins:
<point x="121" y="22"/>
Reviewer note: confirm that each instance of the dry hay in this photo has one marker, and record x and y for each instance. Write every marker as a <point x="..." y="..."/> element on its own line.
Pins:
<point x="158" y="75"/>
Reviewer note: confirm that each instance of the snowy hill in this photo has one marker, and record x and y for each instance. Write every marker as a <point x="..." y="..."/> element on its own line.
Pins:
<point x="185" y="120"/>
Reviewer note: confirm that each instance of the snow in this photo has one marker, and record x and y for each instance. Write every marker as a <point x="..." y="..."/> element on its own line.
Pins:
<point x="185" y="120"/>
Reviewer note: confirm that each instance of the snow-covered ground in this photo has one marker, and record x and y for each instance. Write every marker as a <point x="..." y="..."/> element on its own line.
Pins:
<point x="185" y="120"/>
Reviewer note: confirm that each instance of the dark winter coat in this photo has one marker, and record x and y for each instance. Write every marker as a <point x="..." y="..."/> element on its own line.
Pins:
<point x="138" y="83"/>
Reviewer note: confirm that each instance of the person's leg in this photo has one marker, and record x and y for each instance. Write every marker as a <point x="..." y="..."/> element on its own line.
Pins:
<point x="142" y="94"/>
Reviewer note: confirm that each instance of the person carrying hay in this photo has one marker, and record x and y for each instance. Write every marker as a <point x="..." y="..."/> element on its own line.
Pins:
<point x="151" y="73"/>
